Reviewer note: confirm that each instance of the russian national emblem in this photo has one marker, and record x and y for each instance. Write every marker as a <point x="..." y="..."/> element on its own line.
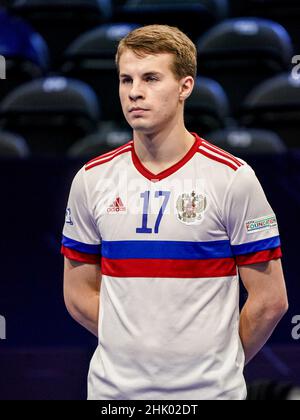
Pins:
<point x="191" y="207"/>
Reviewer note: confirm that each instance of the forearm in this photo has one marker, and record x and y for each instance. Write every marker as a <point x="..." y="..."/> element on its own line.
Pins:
<point x="256" y="326"/>
<point x="82" y="284"/>
<point x="86" y="312"/>
<point x="266" y="304"/>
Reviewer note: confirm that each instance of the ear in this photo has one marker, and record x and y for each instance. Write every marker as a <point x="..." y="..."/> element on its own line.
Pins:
<point x="186" y="87"/>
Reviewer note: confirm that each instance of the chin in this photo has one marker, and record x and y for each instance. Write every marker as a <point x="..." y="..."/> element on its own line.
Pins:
<point x="140" y="127"/>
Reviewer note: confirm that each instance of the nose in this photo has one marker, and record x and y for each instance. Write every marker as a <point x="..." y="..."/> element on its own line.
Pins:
<point x="136" y="91"/>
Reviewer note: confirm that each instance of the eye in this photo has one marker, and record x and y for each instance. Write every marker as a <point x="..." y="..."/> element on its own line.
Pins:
<point x="126" y="80"/>
<point x="151" y="79"/>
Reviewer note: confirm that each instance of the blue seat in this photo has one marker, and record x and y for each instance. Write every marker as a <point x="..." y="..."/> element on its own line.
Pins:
<point x="61" y="21"/>
<point x="207" y="109"/>
<point x="108" y="137"/>
<point x="240" y="53"/>
<point x="242" y="142"/>
<point x="194" y="17"/>
<point x="51" y="113"/>
<point x="12" y="146"/>
<point x="285" y="12"/>
<point x="91" y="58"/>
<point x="25" y="52"/>
<point x="275" y="105"/>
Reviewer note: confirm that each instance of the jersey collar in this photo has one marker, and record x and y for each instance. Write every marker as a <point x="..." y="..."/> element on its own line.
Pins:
<point x="169" y="171"/>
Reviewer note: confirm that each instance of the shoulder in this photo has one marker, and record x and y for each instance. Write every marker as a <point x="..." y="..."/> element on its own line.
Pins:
<point x="226" y="174"/>
<point x="109" y="156"/>
<point x="91" y="174"/>
<point x="219" y="158"/>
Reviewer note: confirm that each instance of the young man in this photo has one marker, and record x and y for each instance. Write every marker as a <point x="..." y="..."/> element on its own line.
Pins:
<point x="155" y="233"/>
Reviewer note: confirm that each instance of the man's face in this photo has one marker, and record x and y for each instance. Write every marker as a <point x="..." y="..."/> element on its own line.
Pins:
<point x="149" y="91"/>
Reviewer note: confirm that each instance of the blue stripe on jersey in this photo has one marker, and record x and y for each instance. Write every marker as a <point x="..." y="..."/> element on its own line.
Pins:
<point x="166" y="250"/>
<point x="81" y="247"/>
<point x="256" y="246"/>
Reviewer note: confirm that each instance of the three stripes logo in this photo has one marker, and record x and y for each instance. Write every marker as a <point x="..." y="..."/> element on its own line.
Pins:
<point x="117" y="206"/>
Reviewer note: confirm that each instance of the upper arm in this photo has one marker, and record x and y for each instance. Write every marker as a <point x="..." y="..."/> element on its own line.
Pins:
<point x="249" y="220"/>
<point x="254" y="237"/>
<point x="265" y="284"/>
<point x="81" y="237"/>
<point x="80" y="280"/>
<point x="81" y="245"/>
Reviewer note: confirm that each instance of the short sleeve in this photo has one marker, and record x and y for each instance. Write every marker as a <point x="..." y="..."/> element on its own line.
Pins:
<point x="249" y="220"/>
<point x="81" y="240"/>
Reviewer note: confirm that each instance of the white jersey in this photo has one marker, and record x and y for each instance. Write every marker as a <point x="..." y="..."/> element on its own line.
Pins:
<point x="169" y="246"/>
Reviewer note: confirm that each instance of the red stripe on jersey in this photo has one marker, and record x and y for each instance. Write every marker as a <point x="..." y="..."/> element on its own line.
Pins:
<point x="218" y="159"/>
<point x="221" y="152"/>
<point x="221" y="267"/>
<point x="110" y="153"/>
<point x="259" y="257"/>
<point x="108" y="159"/>
<point x="80" y="256"/>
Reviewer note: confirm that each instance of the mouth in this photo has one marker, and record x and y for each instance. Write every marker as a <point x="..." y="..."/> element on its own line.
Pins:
<point x="137" y="110"/>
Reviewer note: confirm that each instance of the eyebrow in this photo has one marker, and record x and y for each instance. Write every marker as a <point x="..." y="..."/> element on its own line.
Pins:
<point x="149" y="73"/>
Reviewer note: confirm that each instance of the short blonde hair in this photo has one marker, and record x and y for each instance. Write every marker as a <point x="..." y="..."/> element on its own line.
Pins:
<point x="157" y="39"/>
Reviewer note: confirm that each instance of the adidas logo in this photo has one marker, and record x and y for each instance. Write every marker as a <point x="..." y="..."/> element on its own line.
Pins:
<point x="117" y="206"/>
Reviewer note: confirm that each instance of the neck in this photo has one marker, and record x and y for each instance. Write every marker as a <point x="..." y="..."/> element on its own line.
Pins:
<point x="160" y="150"/>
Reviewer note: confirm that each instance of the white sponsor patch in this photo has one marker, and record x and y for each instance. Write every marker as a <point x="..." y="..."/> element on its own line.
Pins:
<point x="260" y="224"/>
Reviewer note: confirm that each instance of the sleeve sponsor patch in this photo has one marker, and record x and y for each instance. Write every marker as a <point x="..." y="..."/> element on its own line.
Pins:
<point x="260" y="224"/>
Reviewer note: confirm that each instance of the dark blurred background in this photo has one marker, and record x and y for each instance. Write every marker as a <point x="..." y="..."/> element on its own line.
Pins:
<point x="59" y="107"/>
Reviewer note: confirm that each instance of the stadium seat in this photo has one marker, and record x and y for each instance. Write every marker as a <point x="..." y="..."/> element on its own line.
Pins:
<point x="118" y="3"/>
<point x="61" y="21"/>
<point x="244" y="142"/>
<point x="240" y="53"/>
<point x="12" y="146"/>
<point x="108" y="137"/>
<point x="194" y="17"/>
<point x="275" y="105"/>
<point x="207" y="108"/>
<point x="91" y="58"/>
<point x="51" y="113"/>
<point x="285" y="12"/>
<point x="26" y="53"/>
